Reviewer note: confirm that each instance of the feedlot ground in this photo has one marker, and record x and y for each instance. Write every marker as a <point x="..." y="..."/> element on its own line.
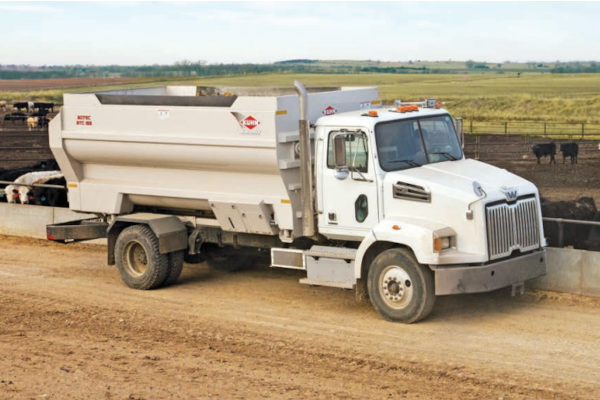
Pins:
<point x="69" y="329"/>
<point x="559" y="182"/>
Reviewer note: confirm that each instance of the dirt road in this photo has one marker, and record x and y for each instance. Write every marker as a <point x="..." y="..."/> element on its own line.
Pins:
<point x="70" y="329"/>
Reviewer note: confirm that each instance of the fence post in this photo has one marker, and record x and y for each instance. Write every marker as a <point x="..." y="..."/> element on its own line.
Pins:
<point x="477" y="147"/>
<point x="544" y="128"/>
<point x="505" y="127"/>
<point x="561" y="234"/>
<point x="582" y="130"/>
<point x="471" y="126"/>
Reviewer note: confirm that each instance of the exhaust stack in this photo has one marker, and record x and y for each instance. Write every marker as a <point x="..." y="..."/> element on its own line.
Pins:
<point x="308" y="213"/>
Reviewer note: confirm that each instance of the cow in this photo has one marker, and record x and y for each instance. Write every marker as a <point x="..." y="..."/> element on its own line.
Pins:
<point x="32" y="123"/>
<point x="23" y="105"/>
<point x="593" y="242"/>
<point x="10" y="175"/>
<point x="3" y="105"/>
<point x="52" y="197"/>
<point x="43" y="106"/>
<point x="19" y="192"/>
<point x="16" y="116"/>
<point x="569" y="150"/>
<point x="544" y="149"/>
<point x="46" y="165"/>
<point x="582" y="209"/>
<point x="27" y="194"/>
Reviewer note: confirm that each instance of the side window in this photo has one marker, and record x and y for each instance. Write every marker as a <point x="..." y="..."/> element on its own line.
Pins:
<point x="357" y="151"/>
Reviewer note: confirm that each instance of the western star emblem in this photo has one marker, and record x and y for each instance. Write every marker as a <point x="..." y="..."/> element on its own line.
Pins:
<point x="510" y="193"/>
<point x="329" y="110"/>
<point x="250" y="122"/>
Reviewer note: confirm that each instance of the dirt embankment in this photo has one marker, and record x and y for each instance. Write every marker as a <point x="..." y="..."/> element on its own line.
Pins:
<point x="70" y="329"/>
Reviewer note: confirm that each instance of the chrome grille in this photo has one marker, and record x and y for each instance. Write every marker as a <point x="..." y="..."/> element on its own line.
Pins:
<point x="512" y="227"/>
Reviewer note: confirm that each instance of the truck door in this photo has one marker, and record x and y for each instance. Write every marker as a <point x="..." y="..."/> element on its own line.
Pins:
<point x="348" y="208"/>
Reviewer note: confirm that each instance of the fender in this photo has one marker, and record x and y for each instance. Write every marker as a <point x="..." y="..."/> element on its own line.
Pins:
<point x="413" y="233"/>
<point x="171" y="233"/>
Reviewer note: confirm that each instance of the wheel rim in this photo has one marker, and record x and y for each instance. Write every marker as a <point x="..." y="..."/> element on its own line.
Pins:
<point x="136" y="260"/>
<point x="396" y="287"/>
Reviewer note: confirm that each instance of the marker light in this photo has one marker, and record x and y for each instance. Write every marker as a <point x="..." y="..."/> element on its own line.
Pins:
<point x="440" y="244"/>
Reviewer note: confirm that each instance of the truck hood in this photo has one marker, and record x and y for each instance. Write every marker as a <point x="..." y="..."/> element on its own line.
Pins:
<point x="458" y="178"/>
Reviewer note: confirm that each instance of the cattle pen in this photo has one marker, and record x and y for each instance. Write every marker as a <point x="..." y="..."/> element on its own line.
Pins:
<point x="70" y="328"/>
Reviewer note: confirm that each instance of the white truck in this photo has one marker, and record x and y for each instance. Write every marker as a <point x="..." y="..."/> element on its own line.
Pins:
<point x="360" y="196"/>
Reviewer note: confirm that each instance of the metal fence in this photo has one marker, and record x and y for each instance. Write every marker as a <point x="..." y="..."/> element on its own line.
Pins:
<point x="544" y="129"/>
<point x="592" y="242"/>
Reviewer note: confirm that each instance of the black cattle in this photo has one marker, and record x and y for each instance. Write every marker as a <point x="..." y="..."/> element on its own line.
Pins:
<point x="43" y="107"/>
<point x="23" y="105"/>
<point x="47" y="165"/>
<point x="593" y="242"/>
<point x="569" y="150"/>
<point x="582" y="209"/>
<point x="40" y="113"/>
<point x="16" y="116"/>
<point x="49" y="196"/>
<point x="544" y="149"/>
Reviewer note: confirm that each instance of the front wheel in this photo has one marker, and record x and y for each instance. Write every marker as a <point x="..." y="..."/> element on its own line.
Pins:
<point x="401" y="289"/>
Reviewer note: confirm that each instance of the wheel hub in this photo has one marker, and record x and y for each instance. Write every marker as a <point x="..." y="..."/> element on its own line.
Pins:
<point x="396" y="287"/>
<point x="136" y="260"/>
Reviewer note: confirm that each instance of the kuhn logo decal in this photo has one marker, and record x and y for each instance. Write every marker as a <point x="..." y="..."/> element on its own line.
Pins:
<point x="329" y="110"/>
<point x="250" y="122"/>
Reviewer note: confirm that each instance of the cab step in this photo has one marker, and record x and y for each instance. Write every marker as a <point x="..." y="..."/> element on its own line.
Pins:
<point x="341" y="285"/>
<point x="331" y="252"/>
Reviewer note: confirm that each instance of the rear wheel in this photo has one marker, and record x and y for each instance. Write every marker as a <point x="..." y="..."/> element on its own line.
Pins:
<point x="138" y="259"/>
<point x="175" y="267"/>
<point x="401" y="289"/>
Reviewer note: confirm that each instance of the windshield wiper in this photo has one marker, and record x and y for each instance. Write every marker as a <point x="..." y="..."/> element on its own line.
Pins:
<point x="447" y="155"/>
<point x="409" y="162"/>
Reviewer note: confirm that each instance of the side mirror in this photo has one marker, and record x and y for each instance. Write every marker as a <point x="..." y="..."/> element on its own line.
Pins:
<point x="339" y="156"/>
<point x="460" y="132"/>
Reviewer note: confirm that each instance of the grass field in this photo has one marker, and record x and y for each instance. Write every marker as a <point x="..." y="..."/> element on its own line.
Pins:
<point x="509" y="96"/>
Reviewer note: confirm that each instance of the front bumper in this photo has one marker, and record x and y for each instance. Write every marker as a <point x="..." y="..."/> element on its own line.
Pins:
<point x="458" y="279"/>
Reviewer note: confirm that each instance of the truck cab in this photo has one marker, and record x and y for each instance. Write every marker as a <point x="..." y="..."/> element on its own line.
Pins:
<point x="397" y="179"/>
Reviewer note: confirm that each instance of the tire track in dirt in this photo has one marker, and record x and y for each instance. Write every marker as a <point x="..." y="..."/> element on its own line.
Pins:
<point x="259" y="333"/>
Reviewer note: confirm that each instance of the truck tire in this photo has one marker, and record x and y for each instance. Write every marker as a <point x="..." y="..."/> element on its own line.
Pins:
<point x="138" y="259"/>
<point x="401" y="289"/>
<point x="223" y="260"/>
<point x="175" y="268"/>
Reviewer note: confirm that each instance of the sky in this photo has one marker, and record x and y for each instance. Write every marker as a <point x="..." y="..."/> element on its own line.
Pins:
<point x="144" y="33"/>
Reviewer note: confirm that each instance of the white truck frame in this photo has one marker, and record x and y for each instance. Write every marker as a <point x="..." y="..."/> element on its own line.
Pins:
<point x="220" y="174"/>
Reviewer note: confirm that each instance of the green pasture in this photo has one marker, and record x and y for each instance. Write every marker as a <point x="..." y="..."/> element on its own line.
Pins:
<point x="510" y="96"/>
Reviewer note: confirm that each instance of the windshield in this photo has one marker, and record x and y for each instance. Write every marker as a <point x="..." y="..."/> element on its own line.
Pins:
<point x="409" y="143"/>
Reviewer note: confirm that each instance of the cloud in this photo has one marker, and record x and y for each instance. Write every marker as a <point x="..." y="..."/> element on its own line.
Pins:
<point x="27" y="8"/>
<point x="427" y="24"/>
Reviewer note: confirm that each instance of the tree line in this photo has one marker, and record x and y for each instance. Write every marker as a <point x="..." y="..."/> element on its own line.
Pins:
<point x="187" y="68"/>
